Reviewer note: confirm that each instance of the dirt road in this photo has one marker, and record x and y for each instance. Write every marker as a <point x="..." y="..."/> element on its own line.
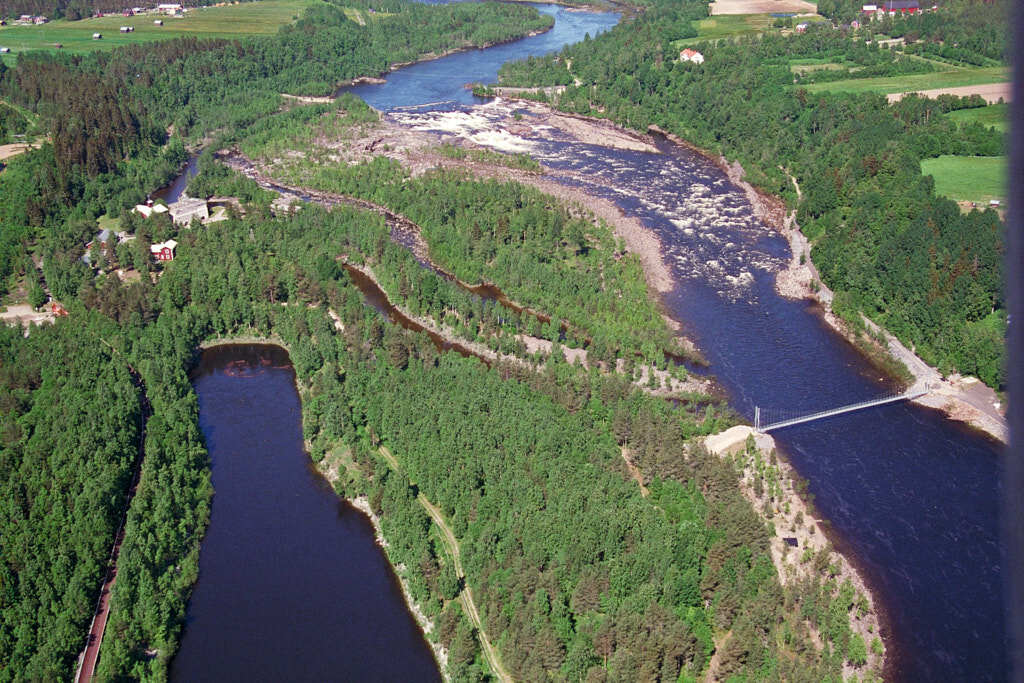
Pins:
<point x="991" y="92"/>
<point x="91" y="655"/>
<point x="466" y="596"/>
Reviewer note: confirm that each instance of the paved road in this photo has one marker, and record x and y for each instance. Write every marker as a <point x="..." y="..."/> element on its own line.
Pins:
<point x="99" y="621"/>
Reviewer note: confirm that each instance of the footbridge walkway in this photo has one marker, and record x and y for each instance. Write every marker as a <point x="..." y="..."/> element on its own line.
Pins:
<point x="767" y="420"/>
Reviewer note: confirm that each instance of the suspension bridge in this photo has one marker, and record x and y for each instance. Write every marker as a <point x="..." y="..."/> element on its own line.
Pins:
<point x="767" y="420"/>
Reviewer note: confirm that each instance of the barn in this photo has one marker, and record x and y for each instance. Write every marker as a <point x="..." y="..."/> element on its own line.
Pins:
<point x="901" y="7"/>
<point x="163" y="251"/>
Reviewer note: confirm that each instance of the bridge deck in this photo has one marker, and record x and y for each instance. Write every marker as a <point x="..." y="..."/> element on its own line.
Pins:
<point x="905" y="396"/>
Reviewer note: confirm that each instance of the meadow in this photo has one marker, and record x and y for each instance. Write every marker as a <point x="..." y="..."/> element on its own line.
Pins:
<point x="974" y="179"/>
<point x="231" y="21"/>
<point x="994" y="115"/>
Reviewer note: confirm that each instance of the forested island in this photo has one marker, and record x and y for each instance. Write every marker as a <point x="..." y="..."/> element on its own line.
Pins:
<point x="600" y="538"/>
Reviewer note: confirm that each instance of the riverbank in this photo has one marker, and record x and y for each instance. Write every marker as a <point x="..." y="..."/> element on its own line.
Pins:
<point x="963" y="399"/>
<point x="666" y="385"/>
<point x="800" y="545"/>
<point x="362" y="503"/>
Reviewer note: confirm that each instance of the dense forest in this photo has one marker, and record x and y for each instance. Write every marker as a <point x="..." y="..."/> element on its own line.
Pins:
<point x="883" y="241"/>
<point x="110" y="112"/>
<point x="652" y="591"/>
<point x="65" y="473"/>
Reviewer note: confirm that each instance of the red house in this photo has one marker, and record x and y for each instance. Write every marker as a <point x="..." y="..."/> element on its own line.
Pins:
<point x="901" y="6"/>
<point x="163" y="251"/>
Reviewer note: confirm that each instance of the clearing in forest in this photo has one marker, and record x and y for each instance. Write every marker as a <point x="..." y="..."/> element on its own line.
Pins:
<point x="974" y="179"/>
<point x="994" y="115"/>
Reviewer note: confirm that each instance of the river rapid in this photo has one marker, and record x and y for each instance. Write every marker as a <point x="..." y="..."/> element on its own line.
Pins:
<point x="912" y="497"/>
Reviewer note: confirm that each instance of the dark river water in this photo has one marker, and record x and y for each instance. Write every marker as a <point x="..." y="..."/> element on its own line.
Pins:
<point x="292" y="585"/>
<point x="913" y="498"/>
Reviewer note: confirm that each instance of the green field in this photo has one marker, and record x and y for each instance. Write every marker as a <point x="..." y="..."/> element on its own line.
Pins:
<point x="941" y="79"/>
<point x="806" y="65"/>
<point x="733" y="25"/>
<point x="994" y="115"/>
<point x="974" y="179"/>
<point x="233" y="21"/>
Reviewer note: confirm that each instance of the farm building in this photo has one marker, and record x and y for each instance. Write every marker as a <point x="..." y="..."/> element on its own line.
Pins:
<point x="102" y="238"/>
<point x="171" y="8"/>
<point x="147" y="210"/>
<point x="163" y="251"/>
<point x="689" y="55"/>
<point x="901" y="7"/>
<point x="187" y="208"/>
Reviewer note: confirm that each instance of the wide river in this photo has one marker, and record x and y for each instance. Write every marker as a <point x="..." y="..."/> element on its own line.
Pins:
<point x="913" y="498"/>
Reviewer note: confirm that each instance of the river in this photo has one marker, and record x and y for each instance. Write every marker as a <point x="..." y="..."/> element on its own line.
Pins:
<point x="912" y="497"/>
<point x="292" y="585"/>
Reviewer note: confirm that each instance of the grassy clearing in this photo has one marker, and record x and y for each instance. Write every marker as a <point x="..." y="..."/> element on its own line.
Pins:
<point x="234" y="21"/>
<point x="107" y="222"/>
<point x="797" y="67"/>
<point x="941" y="79"/>
<point x="727" y="26"/>
<point x="974" y="179"/>
<point x="994" y="115"/>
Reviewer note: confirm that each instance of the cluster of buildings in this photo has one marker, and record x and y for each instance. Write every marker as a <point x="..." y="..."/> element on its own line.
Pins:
<point x="30" y="20"/>
<point x="892" y="8"/>
<point x="161" y="251"/>
<point x="182" y="212"/>
<point x="171" y="9"/>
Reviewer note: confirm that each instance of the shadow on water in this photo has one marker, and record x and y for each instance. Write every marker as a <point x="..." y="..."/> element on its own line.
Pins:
<point x="292" y="585"/>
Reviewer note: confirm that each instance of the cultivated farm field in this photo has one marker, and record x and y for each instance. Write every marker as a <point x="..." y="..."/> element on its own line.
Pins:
<point x="232" y="21"/>
<point x="917" y="82"/>
<point x="762" y="7"/>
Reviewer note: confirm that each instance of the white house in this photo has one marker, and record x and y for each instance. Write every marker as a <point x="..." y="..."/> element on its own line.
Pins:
<point x="689" y="55"/>
<point x="187" y="208"/>
<point x="147" y="210"/>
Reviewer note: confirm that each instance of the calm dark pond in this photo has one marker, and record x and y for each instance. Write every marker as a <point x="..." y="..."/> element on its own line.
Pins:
<point x="292" y="586"/>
